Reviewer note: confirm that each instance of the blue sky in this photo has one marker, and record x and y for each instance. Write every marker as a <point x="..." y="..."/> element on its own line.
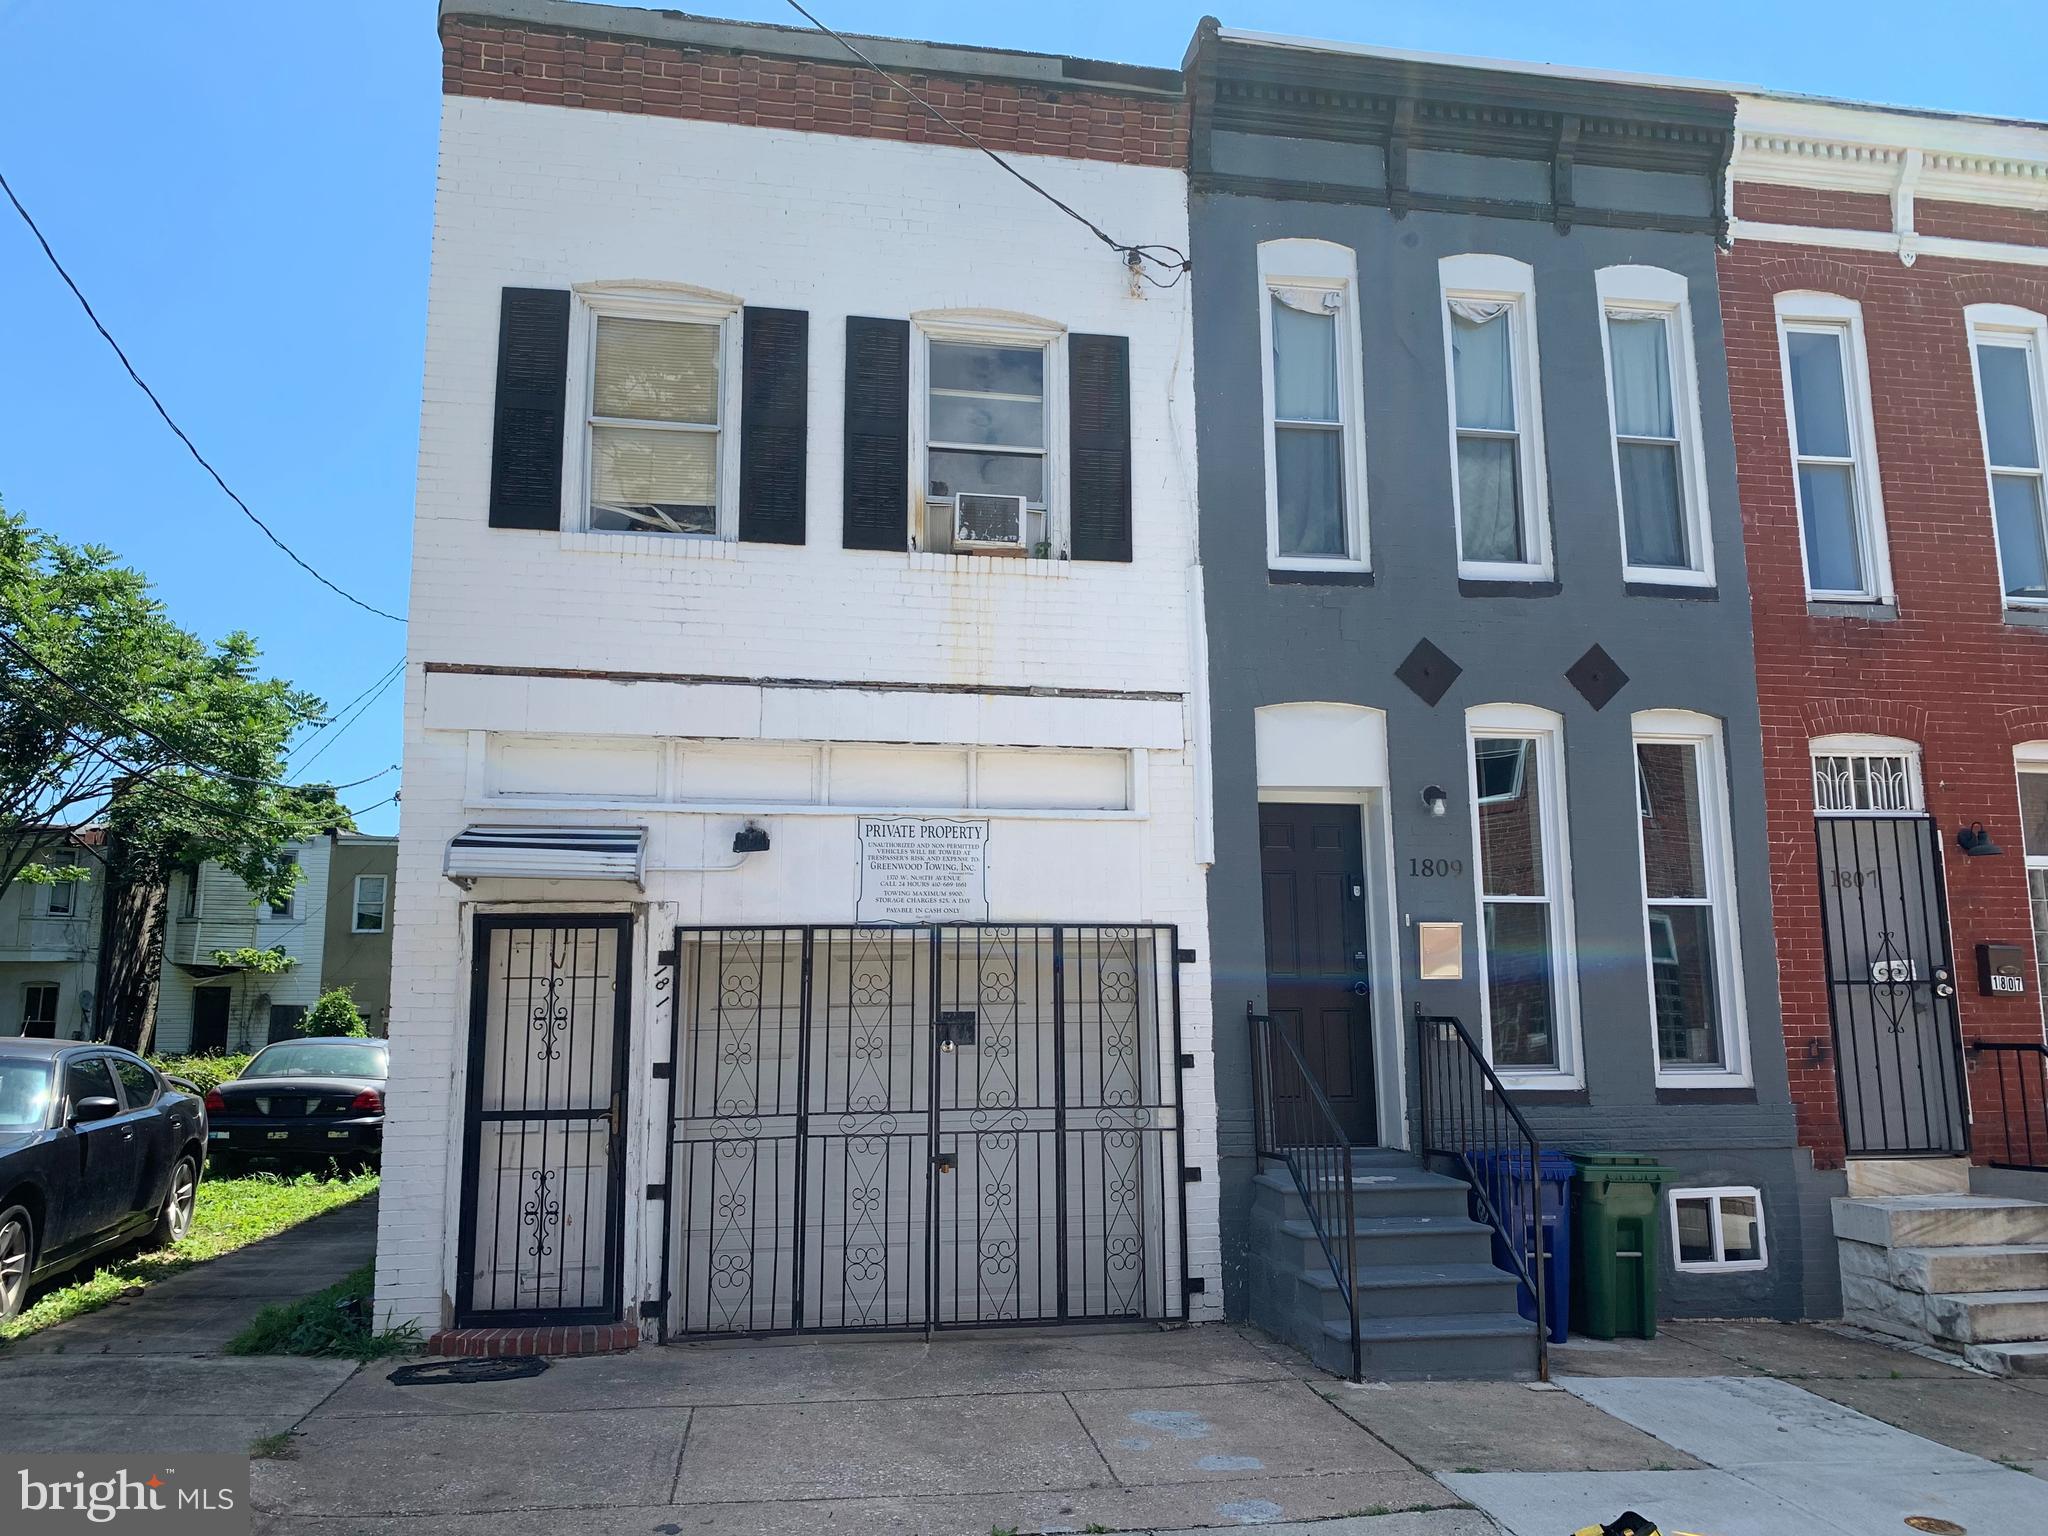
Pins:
<point x="245" y="190"/>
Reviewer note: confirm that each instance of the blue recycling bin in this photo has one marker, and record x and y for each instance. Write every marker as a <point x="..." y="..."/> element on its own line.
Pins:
<point x="1505" y="1178"/>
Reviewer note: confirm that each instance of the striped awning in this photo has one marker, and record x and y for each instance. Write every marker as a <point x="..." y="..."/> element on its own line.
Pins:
<point x="547" y="853"/>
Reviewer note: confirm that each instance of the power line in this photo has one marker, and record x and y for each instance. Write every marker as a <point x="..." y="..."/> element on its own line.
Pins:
<point x="377" y="684"/>
<point x="369" y="699"/>
<point x="179" y="431"/>
<point x="1135" y="256"/>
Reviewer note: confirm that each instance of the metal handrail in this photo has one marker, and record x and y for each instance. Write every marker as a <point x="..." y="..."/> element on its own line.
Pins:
<point x="1472" y="1115"/>
<point x="2033" y="1106"/>
<point x="1297" y="1126"/>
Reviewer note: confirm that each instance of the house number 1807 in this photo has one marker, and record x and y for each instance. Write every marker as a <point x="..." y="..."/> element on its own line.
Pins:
<point x="1435" y="869"/>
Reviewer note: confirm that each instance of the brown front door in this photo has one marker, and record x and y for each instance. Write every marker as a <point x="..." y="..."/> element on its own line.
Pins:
<point x="1317" y="981"/>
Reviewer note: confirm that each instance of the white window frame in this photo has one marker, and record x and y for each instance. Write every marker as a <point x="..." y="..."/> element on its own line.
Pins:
<point x="990" y="328"/>
<point x="355" y="917"/>
<point x="1331" y="268"/>
<point x="1859" y="745"/>
<point x="675" y="302"/>
<point x="1649" y="291"/>
<point x="2032" y="757"/>
<point x="2007" y="323"/>
<point x="1842" y="318"/>
<point x="1714" y="1195"/>
<point x="66" y="889"/>
<point x="1502" y="280"/>
<point x="1679" y="727"/>
<point x="1546" y="730"/>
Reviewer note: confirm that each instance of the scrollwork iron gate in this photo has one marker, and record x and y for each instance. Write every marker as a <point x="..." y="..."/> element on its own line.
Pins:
<point x="917" y="1128"/>
<point x="1891" y="986"/>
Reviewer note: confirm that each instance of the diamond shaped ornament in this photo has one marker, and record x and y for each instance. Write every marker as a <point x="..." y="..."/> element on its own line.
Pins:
<point x="1598" y="677"/>
<point x="1428" y="672"/>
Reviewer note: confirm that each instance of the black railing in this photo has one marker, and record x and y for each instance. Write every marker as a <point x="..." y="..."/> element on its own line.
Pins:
<point x="1468" y="1119"/>
<point x="1294" y="1123"/>
<point x="2019" y="1072"/>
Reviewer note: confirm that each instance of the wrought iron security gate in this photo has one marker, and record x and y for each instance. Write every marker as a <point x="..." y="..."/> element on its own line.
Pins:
<point x="1891" y="986"/>
<point x="543" y="1164"/>
<point x="919" y="1128"/>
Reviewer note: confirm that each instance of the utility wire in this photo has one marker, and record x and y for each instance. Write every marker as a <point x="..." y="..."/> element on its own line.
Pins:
<point x="361" y="710"/>
<point x="377" y="684"/>
<point x="1135" y="256"/>
<point x="179" y="431"/>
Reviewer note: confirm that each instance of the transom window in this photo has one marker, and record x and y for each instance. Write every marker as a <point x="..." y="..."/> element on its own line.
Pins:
<point x="1689" y="903"/>
<point x="1314" y="467"/>
<point x="1853" y="778"/>
<point x="655" y="425"/>
<point x="1657" y="467"/>
<point x="1833" y="450"/>
<point x="1498" y="479"/>
<point x="1525" y="965"/>
<point x="2008" y="347"/>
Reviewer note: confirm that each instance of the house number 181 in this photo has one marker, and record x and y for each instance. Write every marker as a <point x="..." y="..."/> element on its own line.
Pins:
<point x="1435" y="869"/>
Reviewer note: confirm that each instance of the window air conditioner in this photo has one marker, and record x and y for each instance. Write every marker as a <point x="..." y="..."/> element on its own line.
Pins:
<point x="982" y="521"/>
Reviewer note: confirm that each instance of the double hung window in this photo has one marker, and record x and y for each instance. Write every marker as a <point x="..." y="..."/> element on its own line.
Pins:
<point x="2007" y="346"/>
<point x="1498" y="487"/>
<point x="1834" y="457"/>
<point x="369" y="905"/>
<point x="991" y="400"/>
<point x="1314" y="466"/>
<point x="1653" y="406"/>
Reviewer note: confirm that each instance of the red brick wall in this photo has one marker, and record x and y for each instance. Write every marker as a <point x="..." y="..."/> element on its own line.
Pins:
<point x="620" y="74"/>
<point x="1768" y="204"/>
<point x="1949" y="673"/>
<point x="1976" y="221"/>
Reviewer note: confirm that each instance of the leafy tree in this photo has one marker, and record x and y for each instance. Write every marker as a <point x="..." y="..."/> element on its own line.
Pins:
<point x="335" y="1013"/>
<point x="110" y="711"/>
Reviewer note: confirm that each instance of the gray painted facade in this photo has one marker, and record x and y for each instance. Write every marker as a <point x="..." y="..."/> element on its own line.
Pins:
<point x="1295" y="144"/>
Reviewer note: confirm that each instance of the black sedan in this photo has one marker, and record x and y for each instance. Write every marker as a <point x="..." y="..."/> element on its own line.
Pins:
<point x="304" y="1100"/>
<point x="95" y="1149"/>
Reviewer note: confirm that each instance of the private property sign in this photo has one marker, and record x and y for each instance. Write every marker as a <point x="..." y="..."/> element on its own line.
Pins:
<point x="918" y="869"/>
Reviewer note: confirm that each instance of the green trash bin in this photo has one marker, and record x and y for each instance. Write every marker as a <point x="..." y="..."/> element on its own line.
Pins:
<point x="1615" y="1229"/>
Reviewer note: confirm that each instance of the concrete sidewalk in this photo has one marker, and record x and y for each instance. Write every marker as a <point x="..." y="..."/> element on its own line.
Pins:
<point x="146" y="1373"/>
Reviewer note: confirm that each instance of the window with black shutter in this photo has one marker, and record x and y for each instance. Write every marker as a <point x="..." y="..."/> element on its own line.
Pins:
<point x="526" y="438"/>
<point x="1099" y="444"/>
<point x="877" y="467"/>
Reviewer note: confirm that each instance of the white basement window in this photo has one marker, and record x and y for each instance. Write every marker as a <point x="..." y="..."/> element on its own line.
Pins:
<point x="1718" y="1230"/>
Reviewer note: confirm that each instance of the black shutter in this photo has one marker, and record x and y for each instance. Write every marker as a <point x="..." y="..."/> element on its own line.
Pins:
<point x="1099" y="439"/>
<point x="774" y="415"/>
<point x="526" y="441"/>
<point x="877" y="433"/>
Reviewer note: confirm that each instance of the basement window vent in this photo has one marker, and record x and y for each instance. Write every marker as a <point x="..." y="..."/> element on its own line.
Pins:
<point x="1716" y="1231"/>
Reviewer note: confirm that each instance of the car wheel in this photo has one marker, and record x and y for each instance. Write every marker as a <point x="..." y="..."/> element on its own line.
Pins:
<point x="17" y="1257"/>
<point x="174" y="1219"/>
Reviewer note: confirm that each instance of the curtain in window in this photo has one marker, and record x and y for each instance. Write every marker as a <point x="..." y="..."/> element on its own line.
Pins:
<point x="1308" y="438"/>
<point x="1304" y="362"/>
<point x="1489" y="452"/>
<point x="656" y="370"/>
<point x="1645" y="422"/>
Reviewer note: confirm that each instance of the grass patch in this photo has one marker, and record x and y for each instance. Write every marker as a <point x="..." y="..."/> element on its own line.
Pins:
<point x="230" y="1214"/>
<point x="277" y="1447"/>
<point x="335" y="1323"/>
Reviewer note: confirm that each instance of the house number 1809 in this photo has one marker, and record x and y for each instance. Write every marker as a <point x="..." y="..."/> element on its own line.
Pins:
<point x="1435" y="869"/>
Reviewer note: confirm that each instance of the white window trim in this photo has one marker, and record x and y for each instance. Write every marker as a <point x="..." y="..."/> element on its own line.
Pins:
<point x="1504" y="280"/>
<point x="68" y="889"/>
<point x="383" y="905"/>
<point x="647" y="301"/>
<point x="997" y="328"/>
<point x="1802" y="311"/>
<point x="1654" y="291"/>
<point x="1332" y="268"/>
<point x="1713" y="1195"/>
<point x="1856" y="744"/>
<point x="1546" y="730"/>
<point x="2010" y="323"/>
<point x="1680" y="727"/>
<point x="2032" y="757"/>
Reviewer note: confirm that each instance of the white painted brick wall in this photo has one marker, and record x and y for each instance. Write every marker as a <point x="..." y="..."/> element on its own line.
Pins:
<point x="555" y="197"/>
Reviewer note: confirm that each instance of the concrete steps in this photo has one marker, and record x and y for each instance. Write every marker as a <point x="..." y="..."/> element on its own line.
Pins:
<point x="1432" y="1306"/>
<point x="1965" y="1273"/>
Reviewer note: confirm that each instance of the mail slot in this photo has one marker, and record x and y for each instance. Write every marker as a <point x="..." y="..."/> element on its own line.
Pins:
<point x="1999" y="972"/>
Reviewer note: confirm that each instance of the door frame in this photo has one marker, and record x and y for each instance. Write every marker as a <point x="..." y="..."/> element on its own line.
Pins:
<point x="482" y="925"/>
<point x="1383" y="948"/>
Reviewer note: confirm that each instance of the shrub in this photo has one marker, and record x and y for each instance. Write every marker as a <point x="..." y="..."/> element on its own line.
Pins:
<point x="334" y="1014"/>
<point x="203" y="1072"/>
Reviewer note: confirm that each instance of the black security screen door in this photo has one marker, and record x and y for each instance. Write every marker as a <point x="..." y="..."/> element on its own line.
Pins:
<point x="542" y="1146"/>
<point x="1891" y="986"/>
<point x="918" y="1128"/>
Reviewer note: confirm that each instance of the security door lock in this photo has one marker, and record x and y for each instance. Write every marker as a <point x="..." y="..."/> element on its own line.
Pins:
<point x="945" y="1162"/>
<point x="1361" y="988"/>
<point x="955" y="1030"/>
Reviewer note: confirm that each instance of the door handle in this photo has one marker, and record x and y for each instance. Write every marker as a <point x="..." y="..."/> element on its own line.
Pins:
<point x="612" y="1114"/>
<point x="1361" y="988"/>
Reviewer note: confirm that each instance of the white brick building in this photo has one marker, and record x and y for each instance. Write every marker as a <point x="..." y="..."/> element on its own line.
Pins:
<point x="678" y="574"/>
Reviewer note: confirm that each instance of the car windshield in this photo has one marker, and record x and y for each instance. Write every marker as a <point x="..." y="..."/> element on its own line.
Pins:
<point x="304" y="1058"/>
<point x="24" y="1095"/>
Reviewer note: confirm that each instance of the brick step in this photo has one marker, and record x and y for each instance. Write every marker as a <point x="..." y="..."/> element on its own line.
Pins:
<point x="1941" y="1221"/>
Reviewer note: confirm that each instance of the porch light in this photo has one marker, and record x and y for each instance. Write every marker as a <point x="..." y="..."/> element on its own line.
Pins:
<point x="1435" y="801"/>
<point x="1976" y="842"/>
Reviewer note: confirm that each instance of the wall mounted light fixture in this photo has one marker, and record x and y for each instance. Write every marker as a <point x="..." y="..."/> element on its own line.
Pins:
<point x="1976" y="842"/>
<point x="1435" y="801"/>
